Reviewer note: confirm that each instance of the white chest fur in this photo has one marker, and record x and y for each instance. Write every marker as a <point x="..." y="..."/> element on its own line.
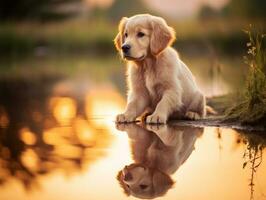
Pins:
<point x="152" y="84"/>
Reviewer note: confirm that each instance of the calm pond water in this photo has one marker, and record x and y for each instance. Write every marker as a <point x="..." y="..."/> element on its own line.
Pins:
<point x="58" y="146"/>
<point x="58" y="140"/>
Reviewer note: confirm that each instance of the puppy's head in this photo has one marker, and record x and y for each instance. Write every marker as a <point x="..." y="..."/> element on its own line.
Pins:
<point x="143" y="182"/>
<point x="143" y="35"/>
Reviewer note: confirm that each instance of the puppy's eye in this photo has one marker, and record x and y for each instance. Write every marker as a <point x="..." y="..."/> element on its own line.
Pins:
<point x="140" y="34"/>
<point x="143" y="186"/>
<point x="125" y="34"/>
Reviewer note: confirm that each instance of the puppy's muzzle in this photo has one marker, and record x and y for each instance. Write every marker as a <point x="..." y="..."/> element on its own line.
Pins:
<point x="126" y="49"/>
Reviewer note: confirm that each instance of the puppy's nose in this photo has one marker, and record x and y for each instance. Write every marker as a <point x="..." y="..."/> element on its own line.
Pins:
<point x="128" y="176"/>
<point x="126" y="48"/>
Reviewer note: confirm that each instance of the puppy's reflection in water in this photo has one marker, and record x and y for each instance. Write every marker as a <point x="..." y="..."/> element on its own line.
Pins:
<point x="158" y="151"/>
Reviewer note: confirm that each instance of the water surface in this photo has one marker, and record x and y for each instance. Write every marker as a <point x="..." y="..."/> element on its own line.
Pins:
<point x="58" y="140"/>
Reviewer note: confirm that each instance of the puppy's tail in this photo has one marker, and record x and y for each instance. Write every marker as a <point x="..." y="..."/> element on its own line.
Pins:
<point x="210" y="110"/>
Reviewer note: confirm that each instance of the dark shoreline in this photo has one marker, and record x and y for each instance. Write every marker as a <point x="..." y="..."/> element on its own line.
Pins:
<point x="219" y="122"/>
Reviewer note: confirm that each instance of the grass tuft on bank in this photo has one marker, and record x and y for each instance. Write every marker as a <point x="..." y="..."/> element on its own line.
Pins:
<point x="251" y="108"/>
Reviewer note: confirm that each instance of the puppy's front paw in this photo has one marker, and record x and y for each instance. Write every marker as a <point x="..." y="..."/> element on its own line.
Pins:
<point x="120" y="126"/>
<point x="123" y="118"/>
<point x="154" y="127"/>
<point x="192" y="115"/>
<point x="126" y="126"/>
<point x="156" y="119"/>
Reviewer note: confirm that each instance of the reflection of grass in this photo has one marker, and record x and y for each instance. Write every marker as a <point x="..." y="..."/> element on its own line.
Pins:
<point x="254" y="155"/>
<point x="252" y="107"/>
<point x="255" y="144"/>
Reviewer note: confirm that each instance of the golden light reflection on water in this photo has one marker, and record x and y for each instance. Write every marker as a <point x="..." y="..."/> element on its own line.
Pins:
<point x="64" y="109"/>
<point x="76" y="152"/>
<point x="60" y="141"/>
<point x="84" y="131"/>
<point x="210" y="172"/>
<point x="214" y="170"/>
<point x="27" y="136"/>
<point x="104" y="103"/>
<point x="30" y="159"/>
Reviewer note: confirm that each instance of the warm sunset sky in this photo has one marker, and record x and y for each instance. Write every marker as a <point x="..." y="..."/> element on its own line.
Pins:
<point x="172" y="8"/>
<point x="183" y="8"/>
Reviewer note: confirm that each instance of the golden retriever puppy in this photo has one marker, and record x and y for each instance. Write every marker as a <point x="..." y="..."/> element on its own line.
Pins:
<point x="159" y="83"/>
<point x="158" y="151"/>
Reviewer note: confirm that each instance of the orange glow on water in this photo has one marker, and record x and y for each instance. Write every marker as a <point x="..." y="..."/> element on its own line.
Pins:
<point x="27" y="136"/>
<point x="57" y="135"/>
<point x="104" y="102"/>
<point x="75" y="151"/>
<point x="84" y="132"/>
<point x="30" y="159"/>
<point x="64" y="109"/>
<point x="213" y="159"/>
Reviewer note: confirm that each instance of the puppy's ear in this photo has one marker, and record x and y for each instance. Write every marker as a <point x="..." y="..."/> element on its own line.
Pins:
<point x="119" y="177"/>
<point x="161" y="183"/>
<point x="162" y="35"/>
<point x="119" y="37"/>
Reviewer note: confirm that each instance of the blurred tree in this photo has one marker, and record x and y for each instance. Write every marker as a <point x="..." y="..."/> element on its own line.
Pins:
<point x="127" y="8"/>
<point x="121" y="8"/>
<point x="32" y="9"/>
<point x="246" y="8"/>
<point x="207" y="11"/>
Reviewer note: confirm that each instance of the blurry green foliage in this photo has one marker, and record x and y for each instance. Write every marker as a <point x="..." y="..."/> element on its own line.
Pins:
<point x="12" y="42"/>
<point x="246" y="8"/>
<point x="236" y="8"/>
<point x="96" y="32"/>
<point x="127" y="8"/>
<point x="31" y="9"/>
<point x="121" y="8"/>
<point x="207" y="12"/>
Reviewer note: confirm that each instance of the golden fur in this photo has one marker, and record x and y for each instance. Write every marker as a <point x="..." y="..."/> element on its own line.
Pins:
<point x="159" y="83"/>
